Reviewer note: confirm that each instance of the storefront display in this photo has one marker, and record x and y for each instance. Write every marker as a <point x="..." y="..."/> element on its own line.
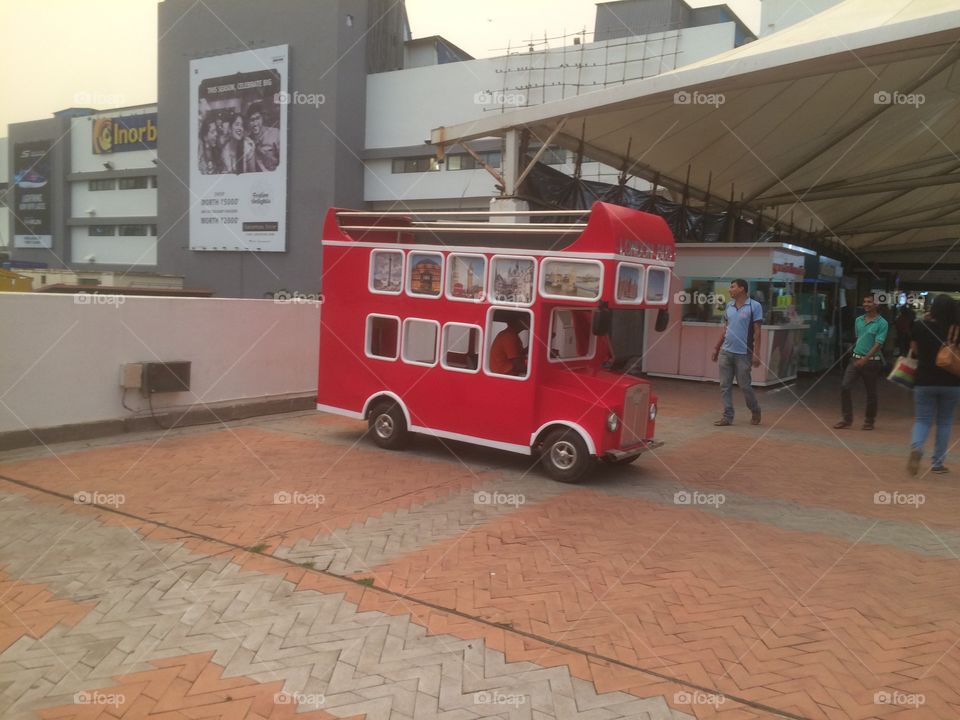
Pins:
<point x="700" y="289"/>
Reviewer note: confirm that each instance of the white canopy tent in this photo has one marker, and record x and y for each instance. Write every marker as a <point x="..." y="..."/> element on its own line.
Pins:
<point x="848" y="123"/>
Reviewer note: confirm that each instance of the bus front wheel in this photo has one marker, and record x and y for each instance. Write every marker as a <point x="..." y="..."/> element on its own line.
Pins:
<point x="388" y="426"/>
<point x="565" y="456"/>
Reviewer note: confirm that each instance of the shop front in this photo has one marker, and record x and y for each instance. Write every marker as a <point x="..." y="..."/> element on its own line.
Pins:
<point x="700" y="289"/>
<point x="818" y="306"/>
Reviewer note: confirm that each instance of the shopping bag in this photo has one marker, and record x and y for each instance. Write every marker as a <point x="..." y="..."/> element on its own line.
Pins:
<point x="904" y="372"/>
<point x="948" y="357"/>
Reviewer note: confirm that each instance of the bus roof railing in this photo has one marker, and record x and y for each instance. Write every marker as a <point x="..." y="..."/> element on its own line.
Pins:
<point x="433" y="229"/>
<point x="462" y="213"/>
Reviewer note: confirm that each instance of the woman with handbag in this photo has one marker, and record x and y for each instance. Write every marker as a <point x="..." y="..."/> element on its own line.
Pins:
<point x="937" y="389"/>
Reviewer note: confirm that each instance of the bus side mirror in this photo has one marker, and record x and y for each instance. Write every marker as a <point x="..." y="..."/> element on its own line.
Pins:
<point x="602" y="320"/>
<point x="663" y="320"/>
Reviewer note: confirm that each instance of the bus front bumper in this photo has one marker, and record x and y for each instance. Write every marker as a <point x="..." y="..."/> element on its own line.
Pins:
<point x="624" y="455"/>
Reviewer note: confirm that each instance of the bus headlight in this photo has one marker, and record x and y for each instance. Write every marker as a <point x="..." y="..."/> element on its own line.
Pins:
<point x="613" y="422"/>
<point x="653" y="411"/>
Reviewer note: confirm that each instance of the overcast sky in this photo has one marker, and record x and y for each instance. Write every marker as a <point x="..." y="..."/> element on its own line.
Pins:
<point x="103" y="53"/>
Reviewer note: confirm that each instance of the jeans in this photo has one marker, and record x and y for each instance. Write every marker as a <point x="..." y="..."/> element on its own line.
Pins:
<point x="740" y="365"/>
<point x="934" y="403"/>
<point x="870" y="372"/>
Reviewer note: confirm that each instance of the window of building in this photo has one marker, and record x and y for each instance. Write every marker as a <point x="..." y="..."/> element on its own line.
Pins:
<point x="101" y="230"/>
<point x="554" y="156"/>
<point x="98" y="185"/>
<point x="571" y="334"/>
<point x="420" y="341"/>
<point x="134" y="183"/>
<point x="386" y="272"/>
<point x="658" y="282"/>
<point x="461" y="347"/>
<point x="468" y="162"/>
<point x="424" y="274"/>
<point x="154" y="181"/>
<point x="509" y="334"/>
<point x="134" y="230"/>
<point x="383" y="337"/>
<point x="465" y="276"/>
<point x="415" y="165"/>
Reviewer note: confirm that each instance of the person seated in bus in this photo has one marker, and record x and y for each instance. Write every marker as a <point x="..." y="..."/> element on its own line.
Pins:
<point x="508" y="356"/>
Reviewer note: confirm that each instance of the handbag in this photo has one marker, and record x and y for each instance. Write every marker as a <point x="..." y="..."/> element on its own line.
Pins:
<point x="948" y="356"/>
<point x="904" y="372"/>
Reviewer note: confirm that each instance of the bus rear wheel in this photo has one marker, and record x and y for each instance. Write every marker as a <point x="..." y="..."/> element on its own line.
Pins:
<point x="388" y="426"/>
<point x="565" y="456"/>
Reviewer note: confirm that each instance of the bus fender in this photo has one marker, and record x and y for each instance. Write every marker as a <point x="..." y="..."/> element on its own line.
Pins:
<point x="537" y="435"/>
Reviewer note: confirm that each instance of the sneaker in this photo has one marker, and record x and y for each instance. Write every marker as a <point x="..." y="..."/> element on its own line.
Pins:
<point x="939" y="470"/>
<point x="723" y="422"/>
<point x="755" y="418"/>
<point x="868" y="425"/>
<point x="842" y="424"/>
<point x="913" y="464"/>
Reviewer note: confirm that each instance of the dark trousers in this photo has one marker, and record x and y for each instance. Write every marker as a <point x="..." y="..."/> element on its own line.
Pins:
<point x="870" y="373"/>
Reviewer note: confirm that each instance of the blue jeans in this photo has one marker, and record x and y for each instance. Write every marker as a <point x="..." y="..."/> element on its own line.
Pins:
<point x="740" y="365"/>
<point x="934" y="403"/>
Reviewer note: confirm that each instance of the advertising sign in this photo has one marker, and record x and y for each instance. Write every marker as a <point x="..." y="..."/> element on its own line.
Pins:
<point x="123" y="134"/>
<point x="31" y="196"/>
<point x="238" y="151"/>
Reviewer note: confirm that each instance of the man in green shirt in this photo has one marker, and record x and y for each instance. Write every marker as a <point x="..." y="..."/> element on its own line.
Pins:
<point x="866" y="363"/>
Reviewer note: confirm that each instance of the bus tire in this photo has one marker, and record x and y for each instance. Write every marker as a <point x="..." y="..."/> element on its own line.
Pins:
<point x="565" y="456"/>
<point x="388" y="426"/>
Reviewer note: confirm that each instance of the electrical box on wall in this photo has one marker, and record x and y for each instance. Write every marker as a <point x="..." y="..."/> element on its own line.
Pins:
<point x="131" y="376"/>
<point x="171" y="376"/>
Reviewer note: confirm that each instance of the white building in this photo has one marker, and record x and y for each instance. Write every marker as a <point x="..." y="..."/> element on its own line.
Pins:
<point x="113" y="188"/>
<point x="403" y="105"/>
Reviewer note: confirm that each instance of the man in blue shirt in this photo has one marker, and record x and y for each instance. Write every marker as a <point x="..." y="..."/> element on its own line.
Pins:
<point x="866" y="363"/>
<point x="738" y="351"/>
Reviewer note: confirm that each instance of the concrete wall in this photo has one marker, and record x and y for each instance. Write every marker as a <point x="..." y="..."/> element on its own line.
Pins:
<point x="61" y="359"/>
<point x="328" y="57"/>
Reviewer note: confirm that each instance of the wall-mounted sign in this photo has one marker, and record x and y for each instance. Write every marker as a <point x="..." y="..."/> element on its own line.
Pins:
<point x="238" y="151"/>
<point x="31" y="196"/>
<point x="123" y="134"/>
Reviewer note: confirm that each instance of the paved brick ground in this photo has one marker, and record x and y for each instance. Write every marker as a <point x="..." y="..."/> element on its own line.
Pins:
<point x="782" y="570"/>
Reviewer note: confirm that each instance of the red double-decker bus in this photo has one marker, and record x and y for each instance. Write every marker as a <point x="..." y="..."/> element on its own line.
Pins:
<point x="489" y="332"/>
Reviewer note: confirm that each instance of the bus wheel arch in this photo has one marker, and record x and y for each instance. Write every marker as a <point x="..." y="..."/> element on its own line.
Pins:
<point x="388" y="420"/>
<point x="567" y="452"/>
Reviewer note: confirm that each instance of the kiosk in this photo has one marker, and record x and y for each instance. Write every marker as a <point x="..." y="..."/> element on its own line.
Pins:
<point x="699" y="290"/>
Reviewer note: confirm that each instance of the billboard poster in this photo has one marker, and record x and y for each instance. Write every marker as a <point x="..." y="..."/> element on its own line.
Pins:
<point x="123" y="134"/>
<point x="238" y="151"/>
<point x="31" y="197"/>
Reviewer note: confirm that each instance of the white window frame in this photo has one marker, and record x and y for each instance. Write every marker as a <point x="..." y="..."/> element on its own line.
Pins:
<point x="593" y="338"/>
<point x="641" y="291"/>
<point x="403" y="271"/>
<point x="571" y="261"/>
<point x="490" y="337"/>
<point x="491" y="291"/>
<point x="443" y="347"/>
<point x="366" y="338"/>
<point x="408" y="274"/>
<point x="436" y="342"/>
<point x="666" y="289"/>
<point x="448" y="275"/>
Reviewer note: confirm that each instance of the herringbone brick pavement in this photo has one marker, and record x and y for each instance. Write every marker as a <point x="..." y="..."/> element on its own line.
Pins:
<point x="189" y="686"/>
<point x="28" y="609"/>
<point x="809" y="624"/>
<point x="225" y="484"/>
<point x="156" y="602"/>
